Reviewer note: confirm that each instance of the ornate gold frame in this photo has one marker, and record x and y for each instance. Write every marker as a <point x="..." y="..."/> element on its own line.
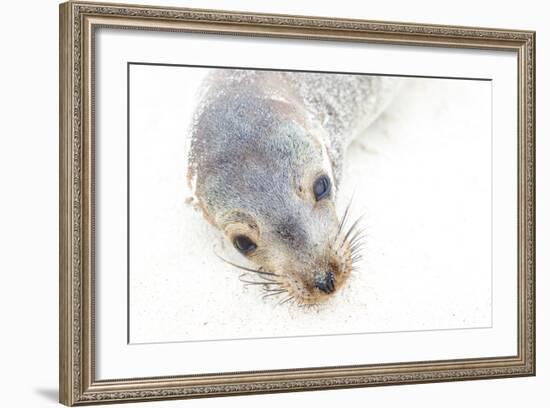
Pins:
<point x="78" y="20"/>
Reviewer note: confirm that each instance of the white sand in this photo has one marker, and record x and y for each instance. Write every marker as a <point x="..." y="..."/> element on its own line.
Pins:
<point x="421" y="175"/>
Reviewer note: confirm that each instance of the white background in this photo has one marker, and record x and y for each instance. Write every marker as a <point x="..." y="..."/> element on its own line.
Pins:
<point x="28" y="220"/>
<point x="435" y="250"/>
<point x="116" y="359"/>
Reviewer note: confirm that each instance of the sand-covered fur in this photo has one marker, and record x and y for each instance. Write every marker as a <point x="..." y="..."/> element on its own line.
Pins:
<point x="263" y="144"/>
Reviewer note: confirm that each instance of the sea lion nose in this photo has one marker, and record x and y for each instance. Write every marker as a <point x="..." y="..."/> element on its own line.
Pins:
<point x="325" y="282"/>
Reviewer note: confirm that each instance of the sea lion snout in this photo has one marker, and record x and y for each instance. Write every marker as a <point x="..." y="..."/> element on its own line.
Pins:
<point x="312" y="271"/>
<point x="324" y="281"/>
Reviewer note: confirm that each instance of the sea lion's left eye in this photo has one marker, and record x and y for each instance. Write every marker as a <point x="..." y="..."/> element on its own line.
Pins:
<point x="321" y="187"/>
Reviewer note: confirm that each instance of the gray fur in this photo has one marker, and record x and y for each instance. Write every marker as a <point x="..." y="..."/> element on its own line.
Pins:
<point x="259" y="139"/>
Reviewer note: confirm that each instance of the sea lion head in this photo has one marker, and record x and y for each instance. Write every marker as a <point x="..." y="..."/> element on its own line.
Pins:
<point x="262" y="176"/>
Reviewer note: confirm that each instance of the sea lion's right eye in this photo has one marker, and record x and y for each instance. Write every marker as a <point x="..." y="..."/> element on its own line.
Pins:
<point x="244" y="244"/>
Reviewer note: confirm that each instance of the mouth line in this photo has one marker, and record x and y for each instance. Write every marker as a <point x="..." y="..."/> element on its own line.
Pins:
<point x="278" y="287"/>
<point x="345" y="252"/>
<point x="345" y="267"/>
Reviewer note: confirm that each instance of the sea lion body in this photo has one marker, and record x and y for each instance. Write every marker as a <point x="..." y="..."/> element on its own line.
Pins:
<point x="266" y="156"/>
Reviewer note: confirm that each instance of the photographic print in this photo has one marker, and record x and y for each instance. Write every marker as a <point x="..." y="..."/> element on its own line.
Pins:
<point x="268" y="203"/>
<point x="260" y="203"/>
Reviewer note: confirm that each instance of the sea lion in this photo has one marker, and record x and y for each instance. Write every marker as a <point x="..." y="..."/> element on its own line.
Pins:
<point x="265" y="162"/>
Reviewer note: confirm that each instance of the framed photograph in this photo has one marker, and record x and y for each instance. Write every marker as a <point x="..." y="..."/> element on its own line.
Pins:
<point x="256" y="203"/>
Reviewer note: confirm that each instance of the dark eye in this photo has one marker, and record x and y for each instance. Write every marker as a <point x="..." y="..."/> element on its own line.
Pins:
<point x="244" y="244"/>
<point x="321" y="187"/>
